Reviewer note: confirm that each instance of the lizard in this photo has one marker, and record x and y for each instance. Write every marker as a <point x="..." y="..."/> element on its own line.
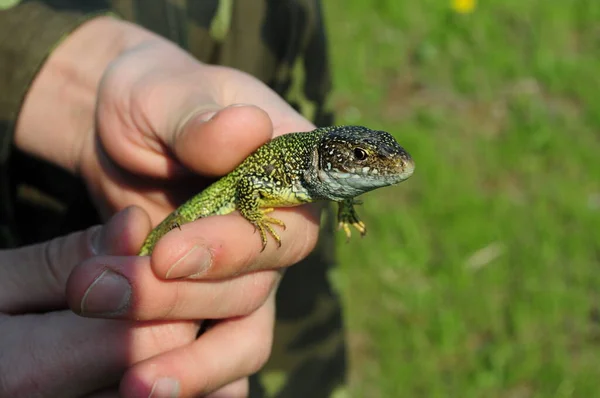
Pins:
<point x="335" y="163"/>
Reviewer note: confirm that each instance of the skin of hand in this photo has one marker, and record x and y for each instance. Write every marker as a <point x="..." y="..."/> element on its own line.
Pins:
<point x="48" y="351"/>
<point x="144" y="123"/>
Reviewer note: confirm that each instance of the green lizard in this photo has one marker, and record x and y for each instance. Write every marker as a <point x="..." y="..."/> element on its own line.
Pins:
<point x="329" y="163"/>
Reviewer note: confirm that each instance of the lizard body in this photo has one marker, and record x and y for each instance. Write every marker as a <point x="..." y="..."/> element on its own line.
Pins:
<point x="329" y="163"/>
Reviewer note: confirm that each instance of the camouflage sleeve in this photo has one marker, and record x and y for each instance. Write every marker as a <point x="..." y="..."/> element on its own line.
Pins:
<point x="28" y="33"/>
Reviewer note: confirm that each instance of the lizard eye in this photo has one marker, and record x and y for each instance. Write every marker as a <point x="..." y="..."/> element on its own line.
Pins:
<point x="360" y="154"/>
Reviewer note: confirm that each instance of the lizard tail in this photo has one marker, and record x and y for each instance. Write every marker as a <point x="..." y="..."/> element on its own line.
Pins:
<point x="173" y="220"/>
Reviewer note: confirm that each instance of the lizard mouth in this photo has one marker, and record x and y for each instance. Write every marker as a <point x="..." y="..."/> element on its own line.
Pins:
<point x="407" y="167"/>
<point x="388" y="172"/>
<point x="393" y="169"/>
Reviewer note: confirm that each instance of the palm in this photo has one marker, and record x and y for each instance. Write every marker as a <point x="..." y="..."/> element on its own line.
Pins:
<point x="147" y="153"/>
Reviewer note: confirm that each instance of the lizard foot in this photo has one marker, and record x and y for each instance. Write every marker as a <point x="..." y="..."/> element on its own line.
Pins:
<point x="359" y="225"/>
<point x="347" y="216"/>
<point x="273" y="220"/>
<point x="263" y="225"/>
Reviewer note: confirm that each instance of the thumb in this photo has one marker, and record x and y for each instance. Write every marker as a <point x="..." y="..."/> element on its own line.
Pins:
<point x="158" y="109"/>
<point x="33" y="278"/>
<point x="215" y="146"/>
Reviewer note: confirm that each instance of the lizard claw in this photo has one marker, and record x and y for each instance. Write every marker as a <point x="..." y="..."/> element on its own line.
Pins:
<point x="359" y="225"/>
<point x="346" y="228"/>
<point x="264" y="226"/>
<point x="347" y="216"/>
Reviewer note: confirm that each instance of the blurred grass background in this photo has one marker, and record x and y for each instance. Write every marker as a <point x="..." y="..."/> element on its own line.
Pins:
<point x="480" y="276"/>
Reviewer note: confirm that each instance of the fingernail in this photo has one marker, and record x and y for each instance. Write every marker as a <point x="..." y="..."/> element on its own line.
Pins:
<point x="108" y="294"/>
<point x="208" y="115"/>
<point x="205" y="117"/>
<point x="193" y="264"/>
<point x="165" y="388"/>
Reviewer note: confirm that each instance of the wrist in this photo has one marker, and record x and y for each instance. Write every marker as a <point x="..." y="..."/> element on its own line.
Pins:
<point x="57" y="115"/>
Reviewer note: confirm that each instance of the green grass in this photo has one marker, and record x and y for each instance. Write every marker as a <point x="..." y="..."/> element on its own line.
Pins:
<point x="480" y="276"/>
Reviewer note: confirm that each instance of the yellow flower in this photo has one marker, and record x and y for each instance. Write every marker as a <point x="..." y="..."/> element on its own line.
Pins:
<point x="464" y="6"/>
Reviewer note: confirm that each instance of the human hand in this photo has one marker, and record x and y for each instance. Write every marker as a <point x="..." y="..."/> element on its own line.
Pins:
<point x="146" y="139"/>
<point x="48" y="351"/>
<point x="148" y="129"/>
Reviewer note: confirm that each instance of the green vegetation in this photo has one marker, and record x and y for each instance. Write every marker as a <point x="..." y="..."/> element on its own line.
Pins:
<point x="480" y="276"/>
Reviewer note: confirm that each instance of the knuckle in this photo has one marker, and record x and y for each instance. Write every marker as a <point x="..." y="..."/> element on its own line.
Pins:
<point x="256" y="290"/>
<point x="308" y="244"/>
<point x="59" y="256"/>
<point x="260" y="351"/>
<point x="168" y="306"/>
<point x="6" y="389"/>
<point x="15" y="382"/>
<point x="238" y="388"/>
<point x="307" y="240"/>
<point x="170" y="335"/>
<point x="53" y="265"/>
<point x="259" y="360"/>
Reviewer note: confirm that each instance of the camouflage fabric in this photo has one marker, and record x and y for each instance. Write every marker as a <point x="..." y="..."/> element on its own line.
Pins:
<point x="281" y="42"/>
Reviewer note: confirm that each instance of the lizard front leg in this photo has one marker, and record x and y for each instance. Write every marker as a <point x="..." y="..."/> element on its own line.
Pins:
<point x="347" y="216"/>
<point x="252" y="191"/>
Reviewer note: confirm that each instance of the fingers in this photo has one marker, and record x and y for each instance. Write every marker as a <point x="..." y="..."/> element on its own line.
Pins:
<point x="34" y="277"/>
<point x="229" y="351"/>
<point x="216" y="146"/>
<point x="42" y="355"/>
<point x="126" y="288"/>
<point x="239" y="388"/>
<point x="237" y="280"/>
<point x="224" y="246"/>
<point x="230" y="283"/>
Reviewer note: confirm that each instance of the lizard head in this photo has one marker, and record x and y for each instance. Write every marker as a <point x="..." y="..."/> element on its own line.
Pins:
<point x="353" y="160"/>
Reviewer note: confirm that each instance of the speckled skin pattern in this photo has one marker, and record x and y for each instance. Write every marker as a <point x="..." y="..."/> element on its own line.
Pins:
<point x="329" y="163"/>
